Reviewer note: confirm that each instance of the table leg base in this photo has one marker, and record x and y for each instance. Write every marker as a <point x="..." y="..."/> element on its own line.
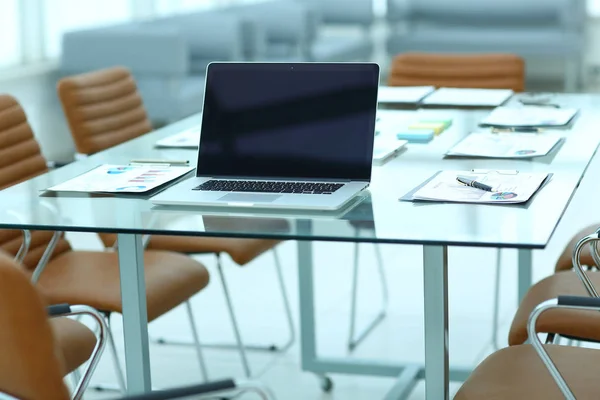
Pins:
<point x="407" y="375"/>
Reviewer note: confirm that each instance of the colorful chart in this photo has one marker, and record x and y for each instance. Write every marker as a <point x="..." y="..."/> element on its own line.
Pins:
<point x="524" y="152"/>
<point x="118" y="170"/>
<point x="131" y="188"/>
<point x="503" y="196"/>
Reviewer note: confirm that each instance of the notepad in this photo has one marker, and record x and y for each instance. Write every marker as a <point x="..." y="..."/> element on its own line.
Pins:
<point x="416" y="135"/>
<point x="436" y="127"/>
<point x="110" y="178"/>
<point x="509" y="187"/>
<point x="188" y="139"/>
<point x="386" y="148"/>
<point x="468" y="97"/>
<point x="506" y="145"/>
<point x="403" y="94"/>
<point x="529" y="116"/>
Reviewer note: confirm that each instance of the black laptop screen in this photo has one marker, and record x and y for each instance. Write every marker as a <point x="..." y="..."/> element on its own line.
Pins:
<point x="289" y="121"/>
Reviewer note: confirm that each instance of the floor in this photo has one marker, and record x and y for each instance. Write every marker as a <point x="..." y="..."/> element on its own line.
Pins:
<point x="399" y="338"/>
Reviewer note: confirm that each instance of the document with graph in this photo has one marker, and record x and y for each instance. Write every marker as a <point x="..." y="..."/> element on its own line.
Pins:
<point x="479" y="186"/>
<point x="110" y="178"/>
<point x="403" y="94"/>
<point x="529" y="116"/>
<point x="506" y="145"/>
<point x="188" y="139"/>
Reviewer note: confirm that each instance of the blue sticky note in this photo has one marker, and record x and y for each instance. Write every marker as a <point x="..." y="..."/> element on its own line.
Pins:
<point x="416" y="135"/>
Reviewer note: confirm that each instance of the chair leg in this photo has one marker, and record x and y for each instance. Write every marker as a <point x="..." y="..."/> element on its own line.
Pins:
<point x="236" y="330"/>
<point x="255" y="347"/>
<point x="354" y="341"/>
<point x="286" y="304"/>
<point x="115" y="357"/>
<point x="496" y="311"/>
<point x="197" y="345"/>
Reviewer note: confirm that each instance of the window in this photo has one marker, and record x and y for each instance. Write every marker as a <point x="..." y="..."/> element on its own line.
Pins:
<point x="63" y="15"/>
<point x="593" y="7"/>
<point x="9" y="33"/>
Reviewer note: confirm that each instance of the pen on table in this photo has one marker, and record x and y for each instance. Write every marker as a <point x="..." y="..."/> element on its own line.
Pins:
<point x="517" y="130"/>
<point x="473" y="183"/>
<point x="157" y="161"/>
<point x="538" y="103"/>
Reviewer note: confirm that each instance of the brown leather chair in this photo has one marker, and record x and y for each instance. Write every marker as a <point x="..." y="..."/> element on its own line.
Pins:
<point x="37" y="352"/>
<point x="574" y="324"/>
<point x="103" y="109"/>
<point x="537" y="371"/>
<point x="84" y="277"/>
<point x="565" y="262"/>
<point x="489" y="71"/>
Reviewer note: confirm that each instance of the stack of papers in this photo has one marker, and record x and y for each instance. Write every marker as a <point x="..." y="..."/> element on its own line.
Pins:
<point x="403" y="94"/>
<point x="506" y="145"/>
<point x="189" y="139"/>
<point x="385" y="148"/>
<point x="508" y="187"/>
<point x="529" y="116"/>
<point x="468" y="97"/>
<point x="122" y="179"/>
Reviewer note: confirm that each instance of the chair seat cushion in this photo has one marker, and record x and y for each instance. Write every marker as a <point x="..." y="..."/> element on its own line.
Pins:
<point x="92" y="278"/>
<point x="520" y="41"/>
<point x="564" y="261"/>
<point x="342" y="48"/>
<point x="74" y="340"/>
<point x="241" y="251"/>
<point x="583" y="324"/>
<point x="518" y="373"/>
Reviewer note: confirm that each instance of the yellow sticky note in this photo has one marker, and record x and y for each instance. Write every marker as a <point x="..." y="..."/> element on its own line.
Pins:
<point x="437" y="127"/>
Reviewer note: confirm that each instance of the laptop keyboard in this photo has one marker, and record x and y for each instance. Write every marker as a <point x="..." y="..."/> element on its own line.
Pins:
<point x="215" y="185"/>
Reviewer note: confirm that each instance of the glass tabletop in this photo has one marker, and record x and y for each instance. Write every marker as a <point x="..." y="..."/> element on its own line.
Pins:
<point x="377" y="216"/>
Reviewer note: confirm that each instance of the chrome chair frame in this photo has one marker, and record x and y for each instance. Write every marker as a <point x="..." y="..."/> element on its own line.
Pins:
<point x="65" y="310"/>
<point x="567" y="302"/>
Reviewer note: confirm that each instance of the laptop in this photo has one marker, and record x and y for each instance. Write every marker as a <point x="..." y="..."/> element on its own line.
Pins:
<point x="283" y="135"/>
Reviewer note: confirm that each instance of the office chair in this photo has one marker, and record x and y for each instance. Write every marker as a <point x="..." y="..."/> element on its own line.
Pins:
<point x="64" y="275"/>
<point x="577" y="282"/>
<point x="103" y="109"/>
<point x="31" y="342"/>
<point x="36" y="355"/>
<point x="565" y="261"/>
<point x="539" y="371"/>
<point x="488" y="71"/>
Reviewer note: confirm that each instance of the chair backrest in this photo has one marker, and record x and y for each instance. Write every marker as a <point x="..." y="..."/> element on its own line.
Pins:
<point x="30" y="366"/>
<point x="103" y="109"/>
<point x="489" y="71"/>
<point x="21" y="159"/>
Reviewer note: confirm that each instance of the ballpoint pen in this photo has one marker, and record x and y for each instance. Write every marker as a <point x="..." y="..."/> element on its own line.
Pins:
<point x="473" y="183"/>
<point x="518" y="130"/>
<point x="157" y="161"/>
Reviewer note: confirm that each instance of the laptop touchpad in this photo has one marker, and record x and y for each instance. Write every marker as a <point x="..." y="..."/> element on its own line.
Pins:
<point x="250" y="197"/>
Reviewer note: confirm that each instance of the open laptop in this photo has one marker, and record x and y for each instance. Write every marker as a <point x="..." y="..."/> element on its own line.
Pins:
<point x="283" y="135"/>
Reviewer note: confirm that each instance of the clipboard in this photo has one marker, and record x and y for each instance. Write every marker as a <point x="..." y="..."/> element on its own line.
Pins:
<point x="442" y="187"/>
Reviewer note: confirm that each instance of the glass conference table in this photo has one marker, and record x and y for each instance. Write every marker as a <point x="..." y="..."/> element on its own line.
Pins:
<point x="380" y="218"/>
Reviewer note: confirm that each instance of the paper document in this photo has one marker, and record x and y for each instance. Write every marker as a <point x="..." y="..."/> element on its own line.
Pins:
<point x="508" y="187"/>
<point x="188" y="139"/>
<point x="390" y="122"/>
<point x="506" y="145"/>
<point x="529" y="116"/>
<point x="403" y="94"/>
<point x="385" y="148"/>
<point x="468" y="97"/>
<point x="122" y="179"/>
